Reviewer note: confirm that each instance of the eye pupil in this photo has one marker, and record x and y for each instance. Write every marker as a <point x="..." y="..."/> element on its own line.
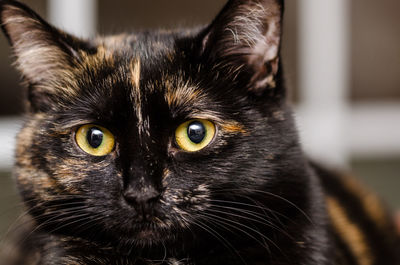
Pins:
<point x="94" y="137"/>
<point x="196" y="132"/>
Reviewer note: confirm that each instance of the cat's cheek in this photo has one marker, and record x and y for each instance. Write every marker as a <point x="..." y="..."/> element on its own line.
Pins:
<point x="187" y="200"/>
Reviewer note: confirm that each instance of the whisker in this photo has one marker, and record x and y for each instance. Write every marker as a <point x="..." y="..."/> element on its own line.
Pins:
<point x="281" y="198"/>
<point x="257" y="206"/>
<point x="89" y="217"/>
<point x="219" y="237"/>
<point x="230" y="223"/>
<point x="13" y="227"/>
<point x="260" y="220"/>
<point x="53" y="216"/>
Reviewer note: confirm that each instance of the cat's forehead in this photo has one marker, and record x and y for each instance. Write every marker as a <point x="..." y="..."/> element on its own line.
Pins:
<point x="146" y="56"/>
<point x="148" y="45"/>
<point x="143" y="80"/>
<point x="141" y="69"/>
<point x="150" y="62"/>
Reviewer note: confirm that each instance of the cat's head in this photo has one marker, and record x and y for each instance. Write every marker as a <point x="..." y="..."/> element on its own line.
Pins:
<point x="143" y="137"/>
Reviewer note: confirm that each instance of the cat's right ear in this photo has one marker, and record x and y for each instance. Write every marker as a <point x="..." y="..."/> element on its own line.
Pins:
<point x="43" y="53"/>
<point x="244" y="40"/>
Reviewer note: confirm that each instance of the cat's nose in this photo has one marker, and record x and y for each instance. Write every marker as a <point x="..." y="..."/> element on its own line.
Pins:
<point x="140" y="197"/>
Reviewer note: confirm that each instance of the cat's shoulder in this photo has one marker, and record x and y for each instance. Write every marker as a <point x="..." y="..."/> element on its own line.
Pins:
<point x="361" y="224"/>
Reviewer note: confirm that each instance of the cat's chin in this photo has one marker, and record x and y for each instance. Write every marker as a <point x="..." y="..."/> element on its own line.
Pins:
<point x="148" y="236"/>
<point x="151" y="236"/>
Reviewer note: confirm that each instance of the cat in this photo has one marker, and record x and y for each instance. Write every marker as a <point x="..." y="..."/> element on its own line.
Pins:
<point x="176" y="147"/>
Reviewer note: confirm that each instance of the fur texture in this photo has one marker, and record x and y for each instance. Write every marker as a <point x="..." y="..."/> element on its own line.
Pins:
<point x="248" y="197"/>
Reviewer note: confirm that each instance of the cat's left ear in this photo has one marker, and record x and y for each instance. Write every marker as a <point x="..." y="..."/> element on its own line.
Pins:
<point x="245" y="37"/>
<point x="43" y="53"/>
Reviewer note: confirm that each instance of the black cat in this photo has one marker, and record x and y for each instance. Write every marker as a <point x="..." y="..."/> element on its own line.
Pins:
<point x="176" y="148"/>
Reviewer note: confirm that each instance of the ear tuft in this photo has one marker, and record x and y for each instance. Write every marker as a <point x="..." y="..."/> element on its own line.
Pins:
<point x="247" y="35"/>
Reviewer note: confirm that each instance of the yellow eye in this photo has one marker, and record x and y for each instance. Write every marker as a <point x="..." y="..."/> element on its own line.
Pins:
<point x="95" y="140"/>
<point x="194" y="135"/>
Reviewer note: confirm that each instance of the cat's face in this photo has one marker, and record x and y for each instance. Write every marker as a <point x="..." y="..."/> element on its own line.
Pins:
<point x="139" y="137"/>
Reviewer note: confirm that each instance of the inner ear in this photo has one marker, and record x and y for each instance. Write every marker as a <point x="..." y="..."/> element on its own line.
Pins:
<point x="246" y="37"/>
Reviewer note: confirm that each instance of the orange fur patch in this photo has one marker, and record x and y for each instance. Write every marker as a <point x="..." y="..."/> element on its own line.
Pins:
<point x="136" y="96"/>
<point x="135" y="71"/>
<point x="349" y="232"/>
<point x="233" y="127"/>
<point x="181" y="94"/>
<point x="370" y="201"/>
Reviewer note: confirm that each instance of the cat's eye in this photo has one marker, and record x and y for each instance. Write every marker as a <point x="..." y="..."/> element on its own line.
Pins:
<point x="194" y="135"/>
<point x="95" y="140"/>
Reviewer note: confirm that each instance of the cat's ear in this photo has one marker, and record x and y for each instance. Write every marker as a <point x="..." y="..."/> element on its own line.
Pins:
<point x="43" y="53"/>
<point x="245" y="37"/>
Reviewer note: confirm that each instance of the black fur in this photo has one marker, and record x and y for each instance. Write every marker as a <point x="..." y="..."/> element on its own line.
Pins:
<point x="249" y="197"/>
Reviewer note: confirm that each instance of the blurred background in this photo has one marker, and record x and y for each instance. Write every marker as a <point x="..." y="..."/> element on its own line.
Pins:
<point x="342" y="63"/>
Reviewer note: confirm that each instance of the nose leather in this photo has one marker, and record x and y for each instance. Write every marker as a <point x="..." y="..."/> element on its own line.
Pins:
<point x="143" y="196"/>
